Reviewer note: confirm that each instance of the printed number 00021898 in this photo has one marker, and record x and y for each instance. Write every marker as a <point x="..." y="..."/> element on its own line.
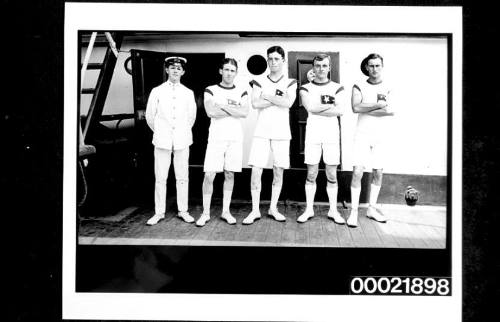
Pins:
<point x="385" y="285"/>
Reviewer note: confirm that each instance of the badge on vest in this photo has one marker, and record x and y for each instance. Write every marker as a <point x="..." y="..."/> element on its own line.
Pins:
<point x="381" y="97"/>
<point x="231" y="102"/>
<point x="327" y="99"/>
<point x="279" y="93"/>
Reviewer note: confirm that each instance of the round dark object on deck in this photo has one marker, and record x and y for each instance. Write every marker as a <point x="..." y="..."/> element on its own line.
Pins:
<point x="411" y="196"/>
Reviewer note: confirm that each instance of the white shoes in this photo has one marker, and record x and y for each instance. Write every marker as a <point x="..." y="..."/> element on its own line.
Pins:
<point x="155" y="219"/>
<point x="184" y="215"/>
<point x="204" y="218"/>
<point x="374" y="214"/>
<point x="352" y="221"/>
<point x="336" y="217"/>
<point x="308" y="214"/>
<point x="254" y="215"/>
<point x="228" y="218"/>
<point x="276" y="215"/>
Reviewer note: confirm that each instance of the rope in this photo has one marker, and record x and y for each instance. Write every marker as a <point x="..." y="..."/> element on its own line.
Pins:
<point x="84" y="181"/>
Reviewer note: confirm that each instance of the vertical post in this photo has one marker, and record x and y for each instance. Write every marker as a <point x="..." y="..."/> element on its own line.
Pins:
<point x="87" y="57"/>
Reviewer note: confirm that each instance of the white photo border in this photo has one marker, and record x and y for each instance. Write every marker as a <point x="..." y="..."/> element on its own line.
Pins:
<point x="342" y="19"/>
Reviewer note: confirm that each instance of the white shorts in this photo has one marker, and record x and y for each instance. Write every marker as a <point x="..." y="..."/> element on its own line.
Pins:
<point x="261" y="147"/>
<point x="331" y="153"/>
<point x="369" y="152"/>
<point x="223" y="155"/>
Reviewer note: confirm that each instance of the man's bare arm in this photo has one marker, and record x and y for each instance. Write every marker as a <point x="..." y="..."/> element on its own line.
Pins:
<point x="357" y="102"/>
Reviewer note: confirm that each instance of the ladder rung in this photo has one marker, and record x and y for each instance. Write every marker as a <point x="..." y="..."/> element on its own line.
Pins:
<point x="88" y="90"/>
<point x="100" y="41"/>
<point x="115" y="117"/>
<point x="93" y="65"/>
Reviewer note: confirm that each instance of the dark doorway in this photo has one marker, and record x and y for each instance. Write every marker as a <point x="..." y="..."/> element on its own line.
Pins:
<point x="148" y="71"/>
<point x="299" y="63"/>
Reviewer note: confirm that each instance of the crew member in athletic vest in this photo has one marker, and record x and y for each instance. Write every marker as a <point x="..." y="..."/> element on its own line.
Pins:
<point x="272" y="96"/>
<point x="324" y="101"/>
<point x="170" y="113"/>
<point x="371" y="100"/>
<point x="225" y="104"/>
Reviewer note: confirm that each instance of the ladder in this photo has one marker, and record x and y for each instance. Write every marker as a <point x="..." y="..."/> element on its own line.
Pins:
<point x="101" y="89"/>
<point x="99" y="93"/>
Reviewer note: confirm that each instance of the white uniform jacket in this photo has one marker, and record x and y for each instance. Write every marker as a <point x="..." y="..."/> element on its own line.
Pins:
<point x="170" y="113"/>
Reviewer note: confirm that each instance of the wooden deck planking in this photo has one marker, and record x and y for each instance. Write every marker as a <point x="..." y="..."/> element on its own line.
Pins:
<point x="344" y="234"/>
<point x="219" y="232"/>
<point x="358" y="234"/>
<point x="169" y="228"/>
<point x="247" y="232"/>
<point x="329" y="228"/>
<point x="274" y="231"/>
<point x="405" y="229"/>
<point x="370" y="232"/>
<point x="413" y="216"/>
<point x="394" y="228"/>
<point x="439" y="234"/>
<point x="261" y="228"/>
<point x="158" y="230"/>
<point x="411" y="226"/>
<point x="216" y="228"/>
<point x="317" y="237"/>
<point x="235" y="229"/>
<point x="289" y="227"/>
<point x="137" y="224"/>
<point x="203" y="233"/>
<point x="424" y="232"/>
<point x="179" y="230"/>
<point x="388" y="240"/>
<point x="239" y="213"/>
<point x="189" y="230"/>
<point x="301" y="230"/>
<point x="92" y="228"/>
<point x="232" y="230"/>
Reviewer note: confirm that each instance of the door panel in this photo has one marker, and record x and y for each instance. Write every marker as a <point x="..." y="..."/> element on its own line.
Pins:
<point x="148" y="71"/>
<point x="299" y="63"/>
<point x="202" y="70"/>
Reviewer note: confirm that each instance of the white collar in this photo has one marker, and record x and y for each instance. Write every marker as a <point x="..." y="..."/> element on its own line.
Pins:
<point x="169" y="83"/>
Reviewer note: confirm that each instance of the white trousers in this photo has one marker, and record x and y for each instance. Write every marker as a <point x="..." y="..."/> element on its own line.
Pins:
<point x="163" y="158"/>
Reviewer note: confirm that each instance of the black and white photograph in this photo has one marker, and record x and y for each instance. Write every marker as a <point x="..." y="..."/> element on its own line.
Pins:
<point x="401" y="198"/>
<point x="272" y="163"/>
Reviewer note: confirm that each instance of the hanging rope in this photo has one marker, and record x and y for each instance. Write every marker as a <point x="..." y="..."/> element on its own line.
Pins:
<point x="84" y="184"/>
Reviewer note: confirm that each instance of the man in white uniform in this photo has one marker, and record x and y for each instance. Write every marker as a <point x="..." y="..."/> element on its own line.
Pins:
<point x="370" y="99"/>
<point x="323" y="100"/>
<point x="225" y="104"/>
<point x="272" y="96"/>
<point x="170" y="113"/>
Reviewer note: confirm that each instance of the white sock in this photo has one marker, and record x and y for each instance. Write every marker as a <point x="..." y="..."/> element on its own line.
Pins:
<point x="255" y="200"/>
<point x="310" y="192"/>
<point x="332" y="190"/>
<point x="207" y="198"/>
<point x="374" y="191"/>
<point x="226" y="200"/>
<point x="182" y="187"/>
<point x="275" y="194"/>
<point x="355" y="192"/>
